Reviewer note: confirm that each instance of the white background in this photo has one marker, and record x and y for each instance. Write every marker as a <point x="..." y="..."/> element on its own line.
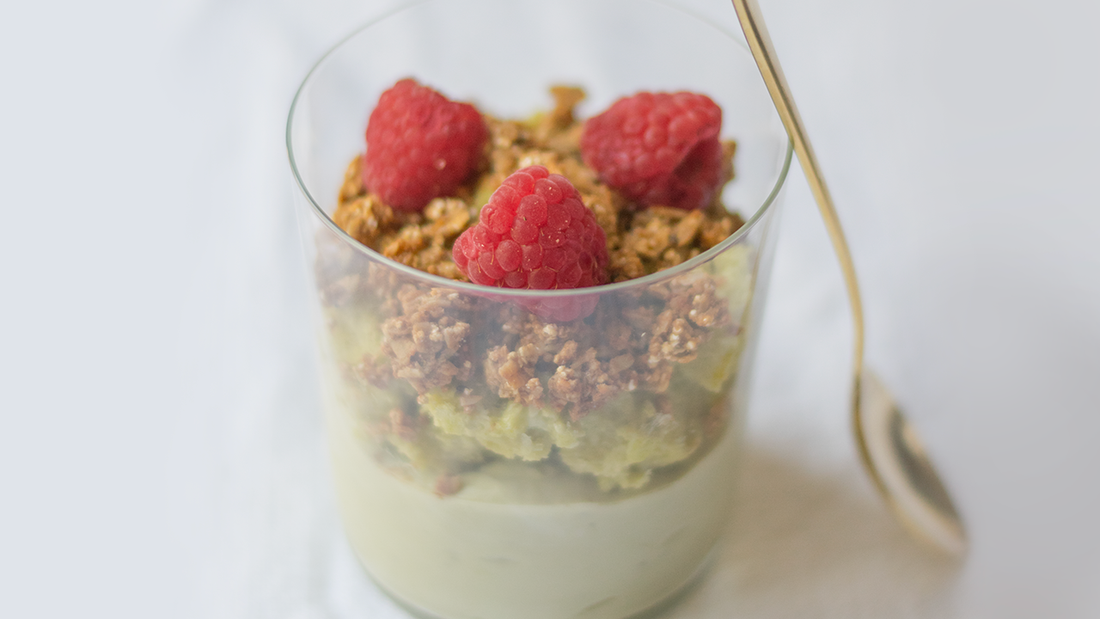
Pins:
<point x="159" y="447"/>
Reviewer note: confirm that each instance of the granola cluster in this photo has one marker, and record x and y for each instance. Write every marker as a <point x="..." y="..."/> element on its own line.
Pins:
<point x="635" y="386"/>
<point x="621" y="349"/>
<point x="420" y="240"/>
<point x="639" y="242"/>
<point x="428" y="343"/>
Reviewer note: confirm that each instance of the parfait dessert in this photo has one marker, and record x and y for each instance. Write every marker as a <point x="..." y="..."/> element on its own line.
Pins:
<point x="531" y="351"/>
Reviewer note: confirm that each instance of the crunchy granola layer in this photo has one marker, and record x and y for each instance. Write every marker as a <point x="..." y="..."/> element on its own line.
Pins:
<point x="640" y="242"/>
<point x="455" y="380"/>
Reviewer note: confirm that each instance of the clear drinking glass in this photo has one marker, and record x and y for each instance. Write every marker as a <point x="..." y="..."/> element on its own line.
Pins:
<point x="492" y="463"/>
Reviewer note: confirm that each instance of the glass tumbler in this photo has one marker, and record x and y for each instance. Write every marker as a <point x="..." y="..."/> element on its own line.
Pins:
<point x="492" y="459"/>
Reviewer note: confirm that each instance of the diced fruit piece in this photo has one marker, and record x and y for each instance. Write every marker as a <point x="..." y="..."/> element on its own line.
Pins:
<point x="715" y="363"/>
<point x="628" y="439"/>
<point x="514" y="431"/>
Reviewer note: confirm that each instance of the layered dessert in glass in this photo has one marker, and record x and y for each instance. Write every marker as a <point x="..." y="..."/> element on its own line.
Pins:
<point x="535" y="364"/>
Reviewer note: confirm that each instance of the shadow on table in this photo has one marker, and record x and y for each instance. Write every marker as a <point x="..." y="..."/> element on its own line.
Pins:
<point x="804" y="543"/>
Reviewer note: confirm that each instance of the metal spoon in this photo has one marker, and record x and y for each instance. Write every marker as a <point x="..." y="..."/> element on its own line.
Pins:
<point x="888" y="446"/>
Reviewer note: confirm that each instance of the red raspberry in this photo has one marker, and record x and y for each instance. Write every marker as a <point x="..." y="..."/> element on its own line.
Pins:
<point x="658" y="148"/>
<point x="536" y="234"/>
<point x="420" y="145"/>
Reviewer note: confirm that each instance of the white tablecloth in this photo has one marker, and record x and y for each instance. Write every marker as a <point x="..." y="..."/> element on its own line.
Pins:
<point x="161" y="455"/>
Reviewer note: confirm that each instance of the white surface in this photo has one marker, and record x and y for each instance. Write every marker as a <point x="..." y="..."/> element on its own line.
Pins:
<point x="160" y="453"/>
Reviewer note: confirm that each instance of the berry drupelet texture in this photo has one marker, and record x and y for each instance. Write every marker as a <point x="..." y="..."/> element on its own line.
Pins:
<point x="420" y="145"/>
<point x="535" y="233"/>
<point x="658" y="148"/>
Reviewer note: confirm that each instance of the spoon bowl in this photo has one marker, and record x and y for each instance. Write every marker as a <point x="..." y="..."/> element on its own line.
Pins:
<point x="894" y="456"/>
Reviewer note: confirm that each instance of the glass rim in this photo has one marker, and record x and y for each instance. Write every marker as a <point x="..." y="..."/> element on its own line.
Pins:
<point x="440" y="281"/>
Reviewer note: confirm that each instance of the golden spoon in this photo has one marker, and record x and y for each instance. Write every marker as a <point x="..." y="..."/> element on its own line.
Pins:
<point x="888" y="446"/>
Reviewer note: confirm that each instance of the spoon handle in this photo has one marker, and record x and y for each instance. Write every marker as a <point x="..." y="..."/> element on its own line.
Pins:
<point x="756" y="33"/>
<point x="761" y="46"/>
<point x="888" y="447"/>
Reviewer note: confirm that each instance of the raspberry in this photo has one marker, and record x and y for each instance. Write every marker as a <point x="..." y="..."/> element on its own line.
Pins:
<point x="658" y="148"/>
<point x="536" y="234"/>
<point x="420" y="145"/>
